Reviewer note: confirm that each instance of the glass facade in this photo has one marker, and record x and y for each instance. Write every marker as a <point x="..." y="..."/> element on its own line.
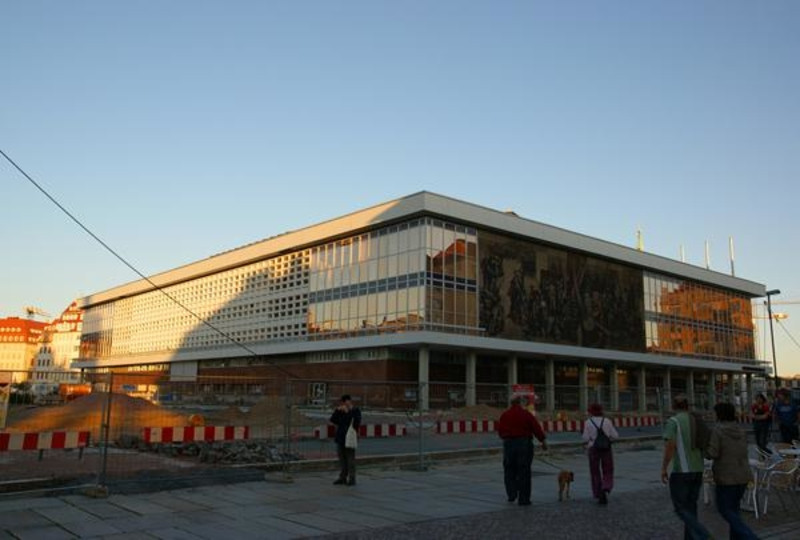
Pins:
<point x="410" y="276"/>
<point x="692" y="319"/>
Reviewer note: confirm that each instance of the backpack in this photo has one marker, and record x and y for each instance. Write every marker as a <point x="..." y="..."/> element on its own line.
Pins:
<point x="601" y="441"/>
<point x="700" y="432"/>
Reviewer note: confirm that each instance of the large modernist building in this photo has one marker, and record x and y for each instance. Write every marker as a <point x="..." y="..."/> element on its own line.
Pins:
<point x="429" y="288"/>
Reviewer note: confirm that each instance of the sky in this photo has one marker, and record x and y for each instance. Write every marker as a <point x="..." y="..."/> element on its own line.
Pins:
<point x="176" y="130"/>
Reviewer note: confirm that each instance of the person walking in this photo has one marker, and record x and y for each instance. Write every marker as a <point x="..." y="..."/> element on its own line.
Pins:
<point x="787" y="414"/>
<point x="761" y="421"/>
<point x="345" y="416"/>
<point x="685" y="476"/>
<point x="517" y="427"/>
<point x="728" y="448"/>
<point x="598" y="434"/>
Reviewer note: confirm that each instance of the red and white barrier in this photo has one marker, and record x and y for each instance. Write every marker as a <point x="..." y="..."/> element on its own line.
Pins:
<point x="557" y="426"/>
<point x="52" y="440"/>
<point x="195" y="434"/>
<point x="550" y="426"/>
<point x="365" y="430"/>
<point x="643" y="421"/>
<point x="465" y="426"/>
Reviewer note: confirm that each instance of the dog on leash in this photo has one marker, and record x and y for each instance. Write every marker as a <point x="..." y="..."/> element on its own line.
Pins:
<point x="565" y="478"/>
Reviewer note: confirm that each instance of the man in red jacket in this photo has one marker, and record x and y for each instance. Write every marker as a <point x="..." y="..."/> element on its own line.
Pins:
<point x="517" y="427"/>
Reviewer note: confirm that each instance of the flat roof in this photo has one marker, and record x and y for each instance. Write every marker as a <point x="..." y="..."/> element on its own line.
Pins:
<point x="425" y="203"/>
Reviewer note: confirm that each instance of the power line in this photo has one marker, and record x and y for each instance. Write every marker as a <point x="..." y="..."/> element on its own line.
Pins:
<point x="788" y="333"/>
<point x="136" y="270"/>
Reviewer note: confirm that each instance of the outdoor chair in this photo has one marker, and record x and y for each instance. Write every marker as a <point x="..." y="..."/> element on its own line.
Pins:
<point x="780" y="446"/>
<point x="767" y="457"/>
<point x="781" y="477"/>
<point x="708" y="481"/>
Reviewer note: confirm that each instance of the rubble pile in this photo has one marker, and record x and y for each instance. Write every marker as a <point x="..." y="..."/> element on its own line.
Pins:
<point x="225" y="453"/>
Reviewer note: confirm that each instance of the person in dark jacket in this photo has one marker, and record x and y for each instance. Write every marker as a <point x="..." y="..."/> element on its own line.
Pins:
<point x="517" y="427"/>
<point x="761" y="421"/>
<point x="728" y="448"/>
<point x="787" y="414"/>
<point x="345" y="415"/>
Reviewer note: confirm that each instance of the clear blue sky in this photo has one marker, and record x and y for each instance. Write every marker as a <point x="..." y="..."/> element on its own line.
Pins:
<point x="179" y="129"/>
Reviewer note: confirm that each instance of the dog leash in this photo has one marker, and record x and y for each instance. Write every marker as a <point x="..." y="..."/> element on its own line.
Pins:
<point x="549" y="464"/>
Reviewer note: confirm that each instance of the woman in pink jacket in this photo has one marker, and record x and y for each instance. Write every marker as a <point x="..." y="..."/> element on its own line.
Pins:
<point x="598" y="433"/>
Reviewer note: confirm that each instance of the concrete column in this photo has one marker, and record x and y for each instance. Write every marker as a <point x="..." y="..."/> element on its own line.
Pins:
<point x="749" y="387"/>
<point x="731" y="387"/>
<point x="690" y="389"/>
<point x="512" y="374"/>
<point x="642" y="388"/>
<point x="550" y="384"/>
<point x="667" y="397"/>
<point x="583" y="386"/>
<point x="423" y="371"/>
<point x="614" y="386"/>
<point x="712" y="390"/>
<point x="469" y="395"/>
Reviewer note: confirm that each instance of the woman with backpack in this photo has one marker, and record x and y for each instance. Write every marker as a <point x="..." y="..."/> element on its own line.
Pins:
<point x="598" y="433"/>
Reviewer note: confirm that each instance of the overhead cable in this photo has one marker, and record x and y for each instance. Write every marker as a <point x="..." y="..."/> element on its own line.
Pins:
<point x="134" y="269"/>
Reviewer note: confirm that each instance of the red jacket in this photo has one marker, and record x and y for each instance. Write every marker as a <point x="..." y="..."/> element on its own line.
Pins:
<point x="516" y="422"/>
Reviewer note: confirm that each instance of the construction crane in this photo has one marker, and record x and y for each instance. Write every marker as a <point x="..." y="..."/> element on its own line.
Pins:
<point x="33" y="311"/>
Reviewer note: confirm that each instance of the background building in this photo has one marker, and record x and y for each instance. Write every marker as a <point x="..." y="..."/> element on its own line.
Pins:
<point x="429" y="288"/>
<point x="19" y="341"/>
<point x="59" y="346"/>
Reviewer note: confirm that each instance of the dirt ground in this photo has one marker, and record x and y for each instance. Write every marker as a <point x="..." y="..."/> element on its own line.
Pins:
<point x="130" y="415"/>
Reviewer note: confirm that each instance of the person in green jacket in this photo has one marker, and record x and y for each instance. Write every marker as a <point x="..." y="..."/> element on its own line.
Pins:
<point x="728" y="448"/>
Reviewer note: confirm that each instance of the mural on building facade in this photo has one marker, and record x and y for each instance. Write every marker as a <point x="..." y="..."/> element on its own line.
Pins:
<point x="537" y="293"/>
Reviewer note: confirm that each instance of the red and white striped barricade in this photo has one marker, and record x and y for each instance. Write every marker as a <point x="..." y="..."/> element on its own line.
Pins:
<point x="558" y="426"/>
<point x="364" y="431"/>
<point x="185" y="434"/>
<point x="47" y="440"/>
<point x="465" y="426"/>
<point x="637" y="421"/>
<point x="550" y="426"/>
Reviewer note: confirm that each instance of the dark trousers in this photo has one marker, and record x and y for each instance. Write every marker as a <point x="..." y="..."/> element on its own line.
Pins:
<point x="601" y="469"/>
<point x="761" y="431"/>
<point x="788" y="432"/>
<point x="517" y="459"/>
<point x="684" y="489"/>
<point x="728" y="500"/>
<point x="347" y="463"/>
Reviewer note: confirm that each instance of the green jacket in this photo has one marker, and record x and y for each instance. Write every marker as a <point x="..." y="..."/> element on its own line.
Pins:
<point x="728" y="449"/>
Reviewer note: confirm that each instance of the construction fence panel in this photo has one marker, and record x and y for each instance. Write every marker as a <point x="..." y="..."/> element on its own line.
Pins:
<point x="148" y="430"/>
<point x="46" y="438"/>
<point x="161" y="428"/>
<point x="387" y="417"/>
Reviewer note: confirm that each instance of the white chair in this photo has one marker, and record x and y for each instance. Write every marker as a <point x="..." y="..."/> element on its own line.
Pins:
<point x="780" y="477"/>
<point x="708" y="481"/>
<point x="767" y="458"/>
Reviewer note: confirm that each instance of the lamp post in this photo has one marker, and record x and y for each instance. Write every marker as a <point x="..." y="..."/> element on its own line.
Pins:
<point x="769" y="295"/>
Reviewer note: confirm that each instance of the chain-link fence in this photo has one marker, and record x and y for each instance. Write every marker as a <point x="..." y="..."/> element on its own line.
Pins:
<point x="146" y="430"/>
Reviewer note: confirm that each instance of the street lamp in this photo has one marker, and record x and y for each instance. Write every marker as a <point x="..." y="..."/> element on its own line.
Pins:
<point x="769" y="295"/>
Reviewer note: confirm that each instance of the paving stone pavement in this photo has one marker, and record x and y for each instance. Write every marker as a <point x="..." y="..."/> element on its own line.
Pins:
<point x="450" y="500"/>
